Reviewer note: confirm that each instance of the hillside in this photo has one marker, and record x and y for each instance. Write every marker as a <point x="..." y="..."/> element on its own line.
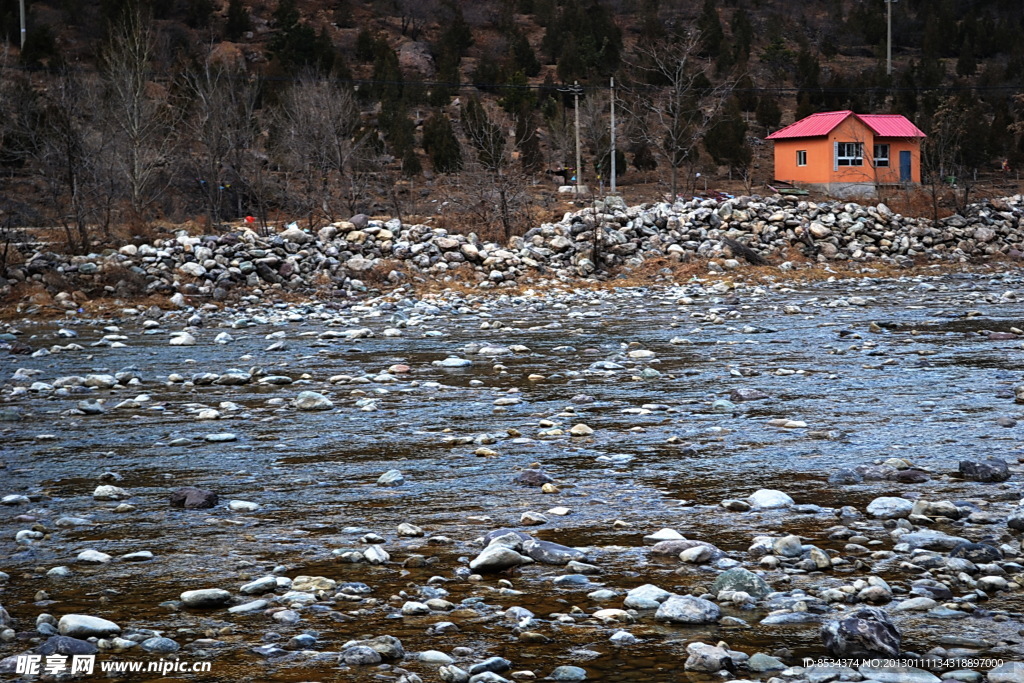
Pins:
<point x="127" y="112"/>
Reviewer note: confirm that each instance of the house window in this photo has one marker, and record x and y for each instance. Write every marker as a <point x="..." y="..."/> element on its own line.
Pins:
<point x="849" y="153"/>
<point x="881" y="156"/>
<point x="801" y="157"/>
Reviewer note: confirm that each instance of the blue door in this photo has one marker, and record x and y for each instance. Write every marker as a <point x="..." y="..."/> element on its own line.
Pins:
<point x="904" y="167"/>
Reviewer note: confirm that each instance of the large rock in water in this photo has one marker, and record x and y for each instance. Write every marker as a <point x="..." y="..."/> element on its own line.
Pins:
<point x="990" y="470"/>
<point x="66" y="645"/>
<point x="740" y="579"/>
<point x="206" y="597"/>
<point x="552" y="553"/>
<point x="495" y="558"/>
<point x="532" y="477"/>
<point x="866" y="632"/>
<point x="708" y="658"/>
<point x="686" y="609"/>
<point x="888" y="507"/>
<point x="311" y="400"/>
<point x="769" y="499"/>
<point x="1010" y="672"/>
<point x="191" y="497"/>
<point x="647" y="596"/>
<point x="84" y="626"/>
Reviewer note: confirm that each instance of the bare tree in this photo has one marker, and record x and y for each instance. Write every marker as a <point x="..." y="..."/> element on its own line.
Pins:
<point x="317" y="127"/>
<point x="942" y="155"/>
<point x="224" y="132"/>
<point x="56" y="137"/>
<point x="674" y="95"/>
<point x="594" y="130"/>
<point x="495" y="183"/>
<point x="139" y="114"/>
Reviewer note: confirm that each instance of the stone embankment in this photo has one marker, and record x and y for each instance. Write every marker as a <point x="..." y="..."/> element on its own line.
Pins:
<point x="349" y="255"/>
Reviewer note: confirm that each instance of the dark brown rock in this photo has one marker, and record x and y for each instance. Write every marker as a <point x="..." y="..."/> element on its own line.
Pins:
<point x="866" y="632"/>
<point x="191" y="497"/>
<point x="532" y="477"/>
<point x="990" y="470"/>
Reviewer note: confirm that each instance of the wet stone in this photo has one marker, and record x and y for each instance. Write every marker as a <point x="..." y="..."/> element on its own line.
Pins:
<point x="205" y="597"/>
<point x="66" y="645"/>
<point x="568" y="673"/>
<point x="687" y="609"/>
<point x="740" y="579"/>
<point x="865" y="632"/>
<point x="990" y="470"/>
<point x="84" y="626"/>
<point x="159" y="645"/>
<point x="191" y="497"/>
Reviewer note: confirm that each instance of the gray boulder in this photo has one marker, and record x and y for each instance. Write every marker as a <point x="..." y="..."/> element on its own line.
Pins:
<point x="865" y="632"/>
<point x="989" y="470"/>
<point x="496" y="558"/>
<point x="686" y="609"/>
<point x="84" y="626"/>
<point x="740" y="579"/>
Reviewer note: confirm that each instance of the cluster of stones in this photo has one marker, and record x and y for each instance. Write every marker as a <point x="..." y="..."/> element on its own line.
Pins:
<point x="347" y="255"/>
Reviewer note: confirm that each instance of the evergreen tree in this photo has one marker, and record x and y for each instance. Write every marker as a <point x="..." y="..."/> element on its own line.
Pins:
<point x="804" y="108"/>
<point x="387" y="76"/>
<point x="745" y="93"/>
<point x="517" y="97"/>
<point x="710" y="27"/>
<point x="768" y="113"/>
<point x="643" y="158"/>
<point x="297" y="46"/>
<point x="441" y="145"/>
<point x="726" y="140"/>
<point x="238" y="23"/>
<point x="366" y="45"/>
<point x="523" y="58"/>
<point x="198" y="13"/>
<point x="742" y="35"/>
<point x="966" y="64"/>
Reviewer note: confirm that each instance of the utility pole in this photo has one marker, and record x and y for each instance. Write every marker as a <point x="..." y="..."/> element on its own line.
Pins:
<point x="576" y="91"/>
<point x="21" y="6"/>
<point x="888" y="43"/>
<point x="579" y="166"/>
<point x="613" y="135"/>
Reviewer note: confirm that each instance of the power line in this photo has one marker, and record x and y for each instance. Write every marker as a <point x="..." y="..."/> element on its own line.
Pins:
<point x="461" y="86"/>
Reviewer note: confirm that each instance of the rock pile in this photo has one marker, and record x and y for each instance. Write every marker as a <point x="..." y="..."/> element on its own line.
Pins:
<point x="347" y="255"/>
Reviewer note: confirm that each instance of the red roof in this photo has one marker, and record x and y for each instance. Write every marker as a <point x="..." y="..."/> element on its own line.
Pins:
<point x="891" y="126"/>
<point x="815" y="125"/>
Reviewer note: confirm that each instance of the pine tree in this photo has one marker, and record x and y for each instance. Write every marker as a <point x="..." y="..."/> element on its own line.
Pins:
<point x="966" y="63"/>
<point x="768" y="113"/>
<point x="523" y="57"/>
<point x="742" y="35"/>
<point x="726" y="140"/>
<point x="441" y="145"/>
<point x="238" y="23"/>
<point x="710" y="27"/>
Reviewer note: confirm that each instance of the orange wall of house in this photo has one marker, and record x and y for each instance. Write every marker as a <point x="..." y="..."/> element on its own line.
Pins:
<point x="820" y="168"/>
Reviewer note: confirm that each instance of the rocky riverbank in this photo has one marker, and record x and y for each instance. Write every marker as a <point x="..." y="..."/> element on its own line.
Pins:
<point x="725" y="479"/>
<point x="352" y="256"/>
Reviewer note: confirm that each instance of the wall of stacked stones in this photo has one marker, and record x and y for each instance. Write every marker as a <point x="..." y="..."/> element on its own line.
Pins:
<point x="607" y="235"/>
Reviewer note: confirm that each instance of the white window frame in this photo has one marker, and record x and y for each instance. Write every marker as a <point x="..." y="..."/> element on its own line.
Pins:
<point x="801" y="157"/>
<point x="849" y="154"/>
<point x="881" y="160"/>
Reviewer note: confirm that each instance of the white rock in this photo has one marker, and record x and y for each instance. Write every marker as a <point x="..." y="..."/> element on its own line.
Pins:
<point x="93" y="557"/>
<point x="769" y="499"/>
<point x="83" y="626"/>
<point x="108" y="492"/>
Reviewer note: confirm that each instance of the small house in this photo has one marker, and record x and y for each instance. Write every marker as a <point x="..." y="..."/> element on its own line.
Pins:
<point x="848" y="154"/>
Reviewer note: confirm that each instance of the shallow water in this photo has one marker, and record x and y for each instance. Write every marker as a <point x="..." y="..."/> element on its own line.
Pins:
<point x="314" y="473"/>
